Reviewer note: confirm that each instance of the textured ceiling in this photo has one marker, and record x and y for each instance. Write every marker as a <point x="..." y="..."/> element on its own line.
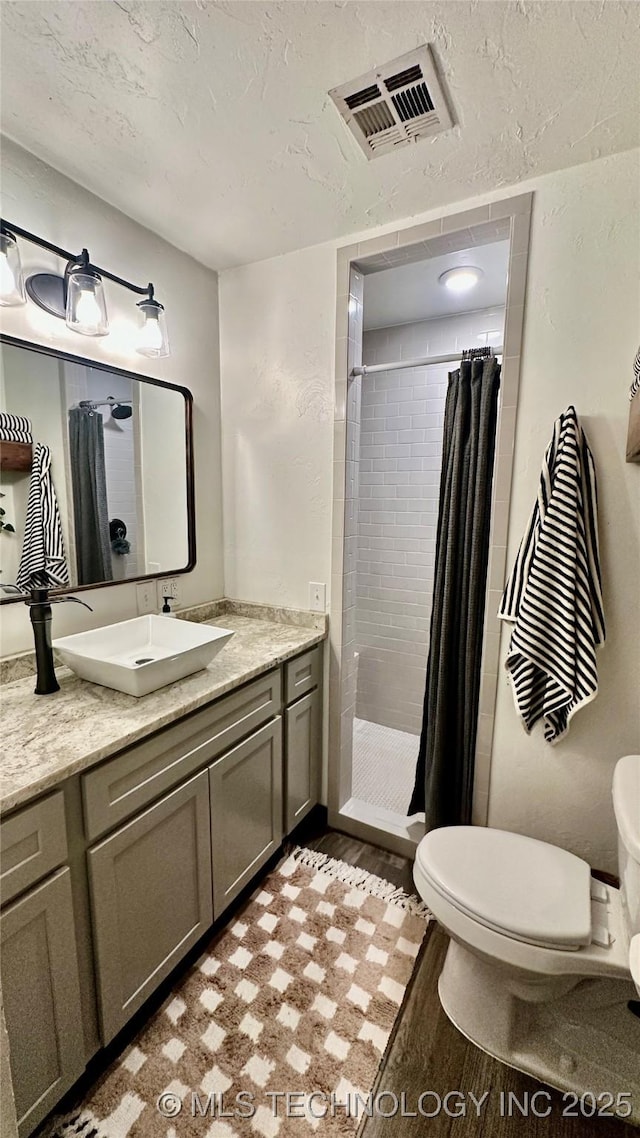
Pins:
<point x="210" y="122"/>
<point x="413" y="292"/>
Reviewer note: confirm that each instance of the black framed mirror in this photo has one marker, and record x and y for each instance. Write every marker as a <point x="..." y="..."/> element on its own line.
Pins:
<point x="96" y="473"/>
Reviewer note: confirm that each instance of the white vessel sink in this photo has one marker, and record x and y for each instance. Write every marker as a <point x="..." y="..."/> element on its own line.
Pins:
<point x="140" y="655"/>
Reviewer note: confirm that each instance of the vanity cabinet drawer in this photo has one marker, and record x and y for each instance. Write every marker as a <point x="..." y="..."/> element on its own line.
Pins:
<point x="32" y="843"/>
<point x="302" y="674"/>
<point x="124" y="785"/>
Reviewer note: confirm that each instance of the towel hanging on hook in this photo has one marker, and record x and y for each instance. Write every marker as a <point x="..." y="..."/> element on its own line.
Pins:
<point x="553" y="596"/>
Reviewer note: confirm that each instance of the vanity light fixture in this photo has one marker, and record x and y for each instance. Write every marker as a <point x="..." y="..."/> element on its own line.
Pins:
<point x="78" y="296"/>
<point x="85" y="308"/>
<point x="11" y="278"/>
<point x="461" y="279"/>
<point x="152" y="335"/>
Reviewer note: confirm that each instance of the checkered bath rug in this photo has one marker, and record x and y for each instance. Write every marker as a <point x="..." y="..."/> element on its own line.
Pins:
<point x="281" y="1024"/>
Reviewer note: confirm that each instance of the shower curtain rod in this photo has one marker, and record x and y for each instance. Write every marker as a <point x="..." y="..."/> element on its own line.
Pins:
<point x="425" y="361"/>
<point x="110" y="402"/>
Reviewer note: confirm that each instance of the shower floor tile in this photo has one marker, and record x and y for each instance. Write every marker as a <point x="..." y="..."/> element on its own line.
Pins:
<point x="384" y="765"/>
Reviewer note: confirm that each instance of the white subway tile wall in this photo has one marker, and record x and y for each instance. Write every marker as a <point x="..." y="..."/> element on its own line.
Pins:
<point x="400" y="453"/>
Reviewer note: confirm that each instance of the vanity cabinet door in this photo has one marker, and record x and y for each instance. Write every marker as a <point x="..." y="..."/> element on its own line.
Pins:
<point x="246" y="811"/>
<point x="151" y="898"/>
<point x="303" y="757"/>
<point x="41" y="993"/>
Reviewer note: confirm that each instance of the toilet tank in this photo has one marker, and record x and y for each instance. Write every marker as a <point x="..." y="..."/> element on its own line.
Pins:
<point x="626" y="804"/>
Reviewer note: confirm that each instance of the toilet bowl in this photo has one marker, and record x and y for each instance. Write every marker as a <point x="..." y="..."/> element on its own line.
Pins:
<point x="543" y="968"/>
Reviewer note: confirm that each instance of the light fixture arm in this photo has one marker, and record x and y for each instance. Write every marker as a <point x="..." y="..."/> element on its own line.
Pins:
<point x="74" y="259"/>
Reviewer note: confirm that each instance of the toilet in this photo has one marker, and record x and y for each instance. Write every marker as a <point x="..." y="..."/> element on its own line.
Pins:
<point x="543" y="967"/>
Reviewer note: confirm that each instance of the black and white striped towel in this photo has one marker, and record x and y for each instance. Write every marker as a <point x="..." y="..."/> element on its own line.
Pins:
<point x="43" y="562"/>
<point x="14" y="428"/>
<point x="554" y="593"/>
<point x="635" y="386"/>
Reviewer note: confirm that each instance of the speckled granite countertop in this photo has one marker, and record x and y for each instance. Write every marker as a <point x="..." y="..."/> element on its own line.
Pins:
<point x="48" y="738"/>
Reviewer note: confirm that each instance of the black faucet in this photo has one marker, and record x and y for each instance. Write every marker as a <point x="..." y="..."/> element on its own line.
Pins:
<point x="39" y="603"/>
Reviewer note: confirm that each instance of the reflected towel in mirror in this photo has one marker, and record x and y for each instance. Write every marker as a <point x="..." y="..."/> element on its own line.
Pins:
<point x="43" y="561"/>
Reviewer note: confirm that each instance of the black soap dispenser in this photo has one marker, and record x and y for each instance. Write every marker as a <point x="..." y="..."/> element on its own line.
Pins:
<point x="166" y="607"/>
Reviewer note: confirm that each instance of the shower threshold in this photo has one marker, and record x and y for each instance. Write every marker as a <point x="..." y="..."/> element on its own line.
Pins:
<point x="375" y="824"/>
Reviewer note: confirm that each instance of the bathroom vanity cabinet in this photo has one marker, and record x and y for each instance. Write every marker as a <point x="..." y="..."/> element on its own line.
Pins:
<point x="246" y="811"/>
<point x="303" y="747"/>
<point x="40" y="976"/>
<point x="149" y="908"/>
<point x="163" y="836"/>
<point x="302" y="737"/>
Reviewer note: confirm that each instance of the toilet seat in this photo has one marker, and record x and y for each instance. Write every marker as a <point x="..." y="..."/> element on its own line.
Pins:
<point x="523" y="888"/>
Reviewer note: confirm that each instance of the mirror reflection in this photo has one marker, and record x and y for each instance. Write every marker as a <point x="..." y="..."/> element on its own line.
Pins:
<point x="94" y="474"/>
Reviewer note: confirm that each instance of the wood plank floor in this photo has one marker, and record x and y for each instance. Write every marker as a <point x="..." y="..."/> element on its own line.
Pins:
<point x="428" y="1053"/>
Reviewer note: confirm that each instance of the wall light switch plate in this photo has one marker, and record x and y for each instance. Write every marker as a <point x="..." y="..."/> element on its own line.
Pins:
<point x="317" y="596"/>
<point x="146" y="597"/>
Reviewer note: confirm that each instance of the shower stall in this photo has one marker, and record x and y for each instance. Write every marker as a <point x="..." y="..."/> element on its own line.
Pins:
<point x="400" y="455"/>
<point x="406" y="332"/>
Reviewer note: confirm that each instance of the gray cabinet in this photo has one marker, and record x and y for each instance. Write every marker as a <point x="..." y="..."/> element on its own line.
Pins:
<point x="302" y="674"/>
<point x="170" y="831"/>
<point x="33" y="842"/>
<point x="246" y="811"/>
<point x="125" y="784"/>
<point x="151" y="898"/>
<point x="303" y="757"/>
<point x="41" y="994"/>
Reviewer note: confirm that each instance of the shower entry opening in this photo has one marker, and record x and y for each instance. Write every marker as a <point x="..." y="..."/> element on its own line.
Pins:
<point x="406" y="332"/>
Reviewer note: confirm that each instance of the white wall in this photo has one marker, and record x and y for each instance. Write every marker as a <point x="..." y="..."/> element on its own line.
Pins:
<point x="581" y="334"/>
<point x="38" y="198"/>
<point x="277" y="323"/>
<point x="163" y="483"/>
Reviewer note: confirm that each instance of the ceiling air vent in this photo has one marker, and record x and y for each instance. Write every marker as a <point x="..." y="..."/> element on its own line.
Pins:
<point x="394" y="105"/>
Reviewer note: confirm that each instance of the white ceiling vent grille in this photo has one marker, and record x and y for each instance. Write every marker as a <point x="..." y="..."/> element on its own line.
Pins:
<point x="394" y="105"/>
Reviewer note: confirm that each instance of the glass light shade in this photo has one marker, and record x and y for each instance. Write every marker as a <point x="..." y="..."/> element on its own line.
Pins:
<point x="11" y="276"/>
<point x="86" y="305"/>
<point x="152" y="340"/>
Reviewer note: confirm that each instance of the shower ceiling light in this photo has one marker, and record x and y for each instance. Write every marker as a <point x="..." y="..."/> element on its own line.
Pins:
<point x="461" y="279"/>
<point x="78" y="296"/>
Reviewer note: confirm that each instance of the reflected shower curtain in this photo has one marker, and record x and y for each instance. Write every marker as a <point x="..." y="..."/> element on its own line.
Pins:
<point x="444" y="774"/>
<point x="90" y="512"/>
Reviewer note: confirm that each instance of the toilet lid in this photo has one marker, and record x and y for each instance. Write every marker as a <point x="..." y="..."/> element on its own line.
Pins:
<point x="523" y="888"/>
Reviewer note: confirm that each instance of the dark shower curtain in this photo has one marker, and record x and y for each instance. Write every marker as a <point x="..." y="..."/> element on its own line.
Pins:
<point x="90" y="512"/>
<point x="444" y="774"/>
